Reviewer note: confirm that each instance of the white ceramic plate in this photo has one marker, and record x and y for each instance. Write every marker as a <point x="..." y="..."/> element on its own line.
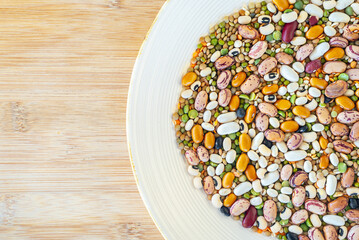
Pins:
<point x="178" y="209"/>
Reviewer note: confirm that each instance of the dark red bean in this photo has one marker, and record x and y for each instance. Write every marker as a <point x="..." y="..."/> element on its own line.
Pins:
<point x="288" y="31"/>
<point x="313" y="20"/>
<point x="250" y="217"/>
<point x="313" y="66"/>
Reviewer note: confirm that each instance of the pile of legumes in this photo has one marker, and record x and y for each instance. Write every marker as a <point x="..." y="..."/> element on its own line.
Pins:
<point x="268" y="119"/>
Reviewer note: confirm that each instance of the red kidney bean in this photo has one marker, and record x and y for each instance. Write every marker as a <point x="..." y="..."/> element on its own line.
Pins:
<point x="313" y="20"/>
<point x="288" y="31"/>
<point x="313" y="66"/>
<point x="250" y="217"/>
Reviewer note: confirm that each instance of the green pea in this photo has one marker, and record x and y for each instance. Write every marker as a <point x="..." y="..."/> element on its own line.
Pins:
<point x="356" y="184"/>
<point x="289" y="51"/>
<point x="200" y="167"/>
<point x="214" y="83"/>
<point x="354" y="98"/>
<point x="228" y="168"/>
<point x="191" y="101"/>
<point x="246" y="195"/>
<point x="259" y="211"/>
<point x="180" y="112"/>
<point x="185" y="118"/>
<point x="298" y="5"/>
<point x="222" y="24"/>
<point x="221" y="42"/>
<point x="223" y="30"/>
<point x="256" y="25"/>
<point x="269" y="37"/>
<point x="259" y="207"/>
<point x="286" y="82"/>
<point x="290" y="205"/>
<point x="213" y="164"/>
<point x="264" y="8"/>
<point x="309" y="223"/>
<point x="325" y="19"/>
<point x="186" y="108"/>
<point x="349" y="11"/>
<point x="254" y="193"/>
<point x="293" y="98"/>
<point x="246" y="106"/>
<point x="236" y="142"/>
<point x="243" y="96"/>
<point x="224" y="51"/>
<point x="232" y="136"/>
<point x="199" y="45"/>
<point x="285" y="184"/>
<point x="283" y="222"/>
<point x="300" y="81"/>
<point x="284" y="238"/>
<point x="343" y="76"/>
<point x="214" y="41"/>
<point x="342" y="167"/>
<point x="252" y="96"/>
<point x="257" y="61"/>
<point x="193" y="113"/>
<point x="281" y="23"/>
<point x="281" y="113"/>
<point x="285" y="230"/>
<point x="216" y="114"/>
<point x="279" y="236"/>
<point x="244" y="64"/>
<point x="304" y="227"/>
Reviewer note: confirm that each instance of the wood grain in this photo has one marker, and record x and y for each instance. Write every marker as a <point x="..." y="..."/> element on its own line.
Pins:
<point x="65" y="68"/>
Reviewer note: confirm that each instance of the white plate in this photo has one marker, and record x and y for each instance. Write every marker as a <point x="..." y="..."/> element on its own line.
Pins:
<point x="178" y="209"/>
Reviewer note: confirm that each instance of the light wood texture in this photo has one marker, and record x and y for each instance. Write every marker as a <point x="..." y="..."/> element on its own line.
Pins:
<point x="65" y="68"/>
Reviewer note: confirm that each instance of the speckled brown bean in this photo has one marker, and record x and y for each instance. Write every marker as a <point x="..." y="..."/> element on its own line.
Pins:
<point x="353" y="74"/>
<point x="348" y="32"/>
<point x="208" y="185"/>
<point x="338" y="204"/>
<point x="354" y="133"/>
<point x="295" y="141"/>
<point x="339" y="129"/>
<point x="334" y="67"/>
<point x="342" y="146"/>
<point x="267" y="65"/>
<point x="323" y="115"/>
<point x="284" y="58"/>
<point x="338" y="42"/>
<point x="224" y="62"/>
<point x="298" y="196"/>
<point x="192" y="157"/>
<point x="353" y="233"/>
<point x="348" y="178"/>
<point x="239" y="207"/>
<point x="224" y="79"/>
<point x="248" y="32"/>
<point x="201" y="101"/>
<point x="268" y="109"/>
<point x="203" y="153"/>
<point x="299" y="217"/>
<point x="315" y="206"/>
<point x="352" y="215"/>
<point x="348" y="117"/>
<point x="224" y="97"/>
<point x="330" y="232"/>
<point x="336" y="89"/>
<point x="274" y="135"/>
<point x="304" y="51"/>
<point x="298" y="178"/>
<point x="262" y="122"/>
<point x="315" y="234"/>
<point x="270" y="210"/>
<point x="286" y="172"/>
<point x="258" y="49"/>
<point x="251" y="84"/>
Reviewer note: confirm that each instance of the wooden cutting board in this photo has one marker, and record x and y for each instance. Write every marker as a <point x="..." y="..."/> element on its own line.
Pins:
<point x="65" y="68"/>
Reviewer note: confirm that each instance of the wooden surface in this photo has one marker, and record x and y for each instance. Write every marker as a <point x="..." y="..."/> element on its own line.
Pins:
<point x="65" y="67"/>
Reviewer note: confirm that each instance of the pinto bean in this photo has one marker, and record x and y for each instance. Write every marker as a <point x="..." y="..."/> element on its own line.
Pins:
<point x="315" y="206"/>
<point x="352" y="215"/>
<point x="347" y="178"/>
<point x="336" y="89"/>
<point x="339" y="129"/>
<point x="224" y="97"/>
<point x="224" y="79"/>
<point x="304" y="51"/>
<point x="298" y="196"/>
<point x="248" y="32"/>
<point x="262" y="122"/>
<point x="330" y="233"/>
<point x="338" y="42"/>
<point x="258" y="49"/>
<point x="295" y="141"/>
<point x="298" y="179"/>
<point x="192" y="157"/>
<point x="224" y="62"/>
<point x="354" y="133"/>
<point x="338" y="204"/>
<point x="334" y="67"/>
<point x="208" y="185"/>
<point x="251" y="84"/>
<point x="270" y="210"/>
<point x="348" y="117"/>
<point x="342" y="146"/>
<point x="267" y="65"/>
<point x="268" y="109"/>
<point x="299" y="217"/>
<point x="284" y="58"/>
<point x="274" y="135"/>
